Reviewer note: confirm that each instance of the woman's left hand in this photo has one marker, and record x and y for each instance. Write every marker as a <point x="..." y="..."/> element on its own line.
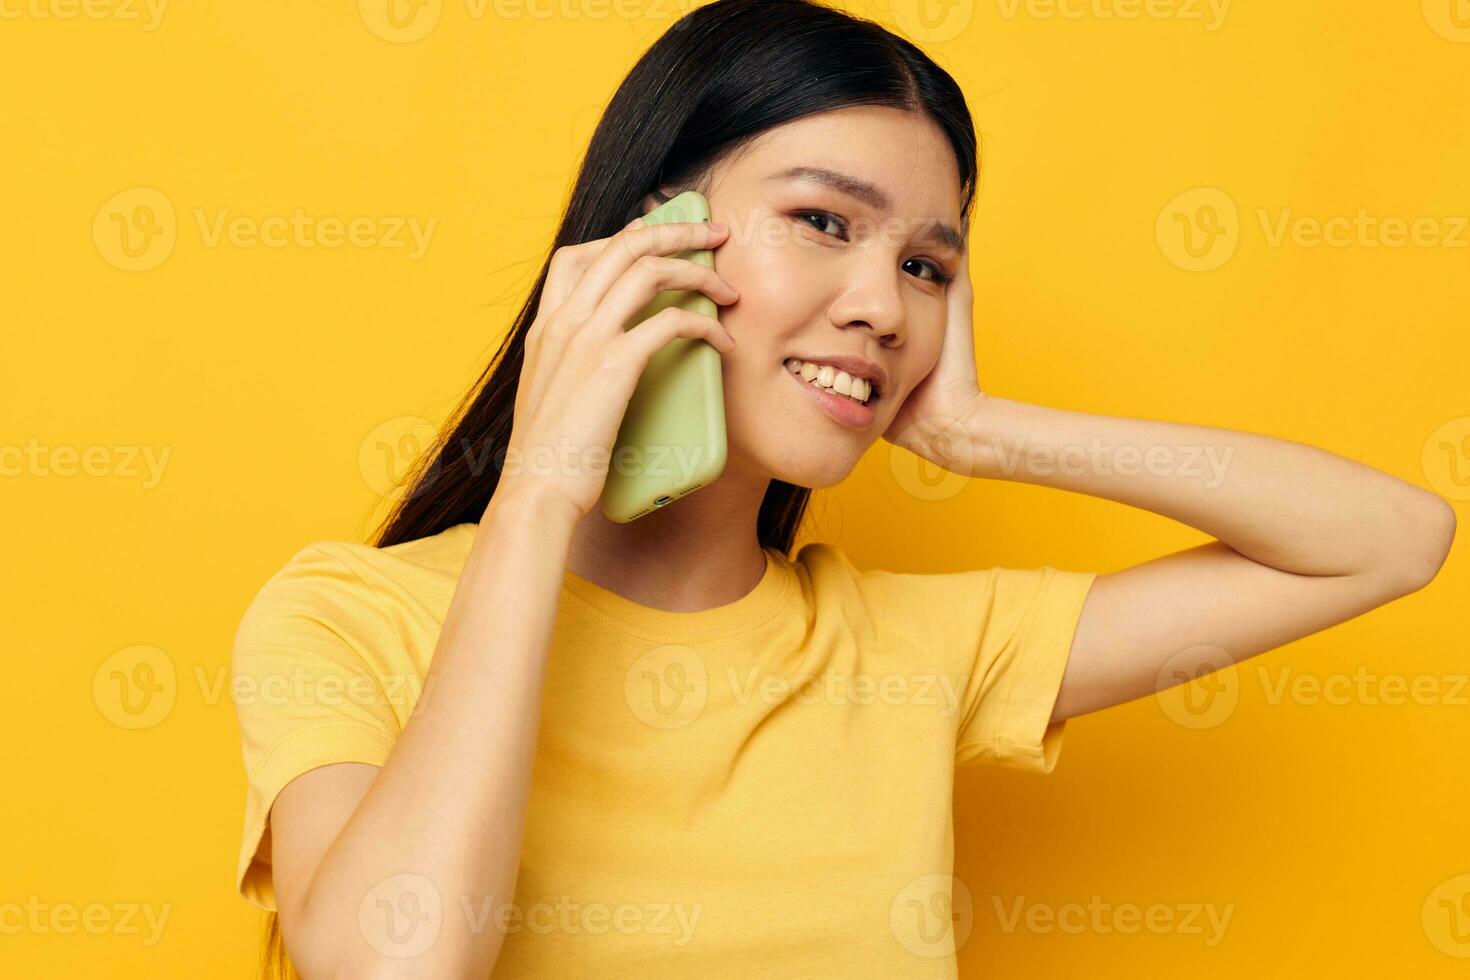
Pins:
<point x="932" y="421"/>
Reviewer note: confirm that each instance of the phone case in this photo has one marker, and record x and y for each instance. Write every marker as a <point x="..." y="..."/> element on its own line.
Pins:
<point x="672" y="438"/>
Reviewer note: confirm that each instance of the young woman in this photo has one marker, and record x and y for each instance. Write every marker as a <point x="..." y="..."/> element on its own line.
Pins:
<point x="523" y="737"/>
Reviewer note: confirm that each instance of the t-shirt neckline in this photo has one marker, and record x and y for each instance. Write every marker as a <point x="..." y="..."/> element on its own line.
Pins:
<point x="776" y="586"/>
<point x="751" y="609"/>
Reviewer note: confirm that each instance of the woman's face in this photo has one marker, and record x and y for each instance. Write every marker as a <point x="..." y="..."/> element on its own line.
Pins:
<point x="839" y="223"/>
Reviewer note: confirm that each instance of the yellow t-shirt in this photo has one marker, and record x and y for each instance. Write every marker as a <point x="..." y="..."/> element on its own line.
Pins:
<point x="762" y="789"/>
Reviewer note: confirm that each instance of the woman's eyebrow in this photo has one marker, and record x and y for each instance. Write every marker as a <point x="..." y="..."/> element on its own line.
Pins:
<point x="871" y="195"/>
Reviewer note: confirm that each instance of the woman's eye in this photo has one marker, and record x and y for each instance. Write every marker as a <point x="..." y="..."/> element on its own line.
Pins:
<point x="936" y="272"/>
<point x="822" y="218"/>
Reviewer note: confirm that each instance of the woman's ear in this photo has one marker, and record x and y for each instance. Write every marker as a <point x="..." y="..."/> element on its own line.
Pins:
<point x="654" y="199"/>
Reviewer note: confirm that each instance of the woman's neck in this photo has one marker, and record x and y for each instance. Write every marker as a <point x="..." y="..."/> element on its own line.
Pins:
<point x="697" y="553"/>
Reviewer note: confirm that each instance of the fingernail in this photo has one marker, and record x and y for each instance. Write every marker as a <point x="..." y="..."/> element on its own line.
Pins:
<point x="716" y="226"/>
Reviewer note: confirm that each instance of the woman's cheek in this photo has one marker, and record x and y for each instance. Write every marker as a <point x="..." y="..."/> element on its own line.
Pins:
<point x="781" y="286"/>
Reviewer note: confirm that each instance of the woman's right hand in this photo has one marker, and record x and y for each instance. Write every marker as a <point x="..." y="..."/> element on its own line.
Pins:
<point x="581" y="366"/>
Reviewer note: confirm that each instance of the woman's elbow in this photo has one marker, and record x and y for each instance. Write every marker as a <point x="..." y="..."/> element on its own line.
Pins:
<point x="1425" y="545"/>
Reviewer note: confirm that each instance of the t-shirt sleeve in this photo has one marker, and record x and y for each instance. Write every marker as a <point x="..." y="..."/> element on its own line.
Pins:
<point x="1002" y="637"/>
<point x="304" y="693"/>
<point x="1012" y="629"/>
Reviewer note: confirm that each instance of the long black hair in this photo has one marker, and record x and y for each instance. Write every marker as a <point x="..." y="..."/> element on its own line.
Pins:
<point x="718" y="78"/>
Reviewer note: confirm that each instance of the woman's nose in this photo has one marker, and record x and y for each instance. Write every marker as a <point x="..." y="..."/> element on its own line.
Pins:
<point x="872" y="299"/>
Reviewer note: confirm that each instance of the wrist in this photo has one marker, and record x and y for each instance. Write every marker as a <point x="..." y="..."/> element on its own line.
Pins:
<point x="532" y="504"/>
<point x="989" y="433"/>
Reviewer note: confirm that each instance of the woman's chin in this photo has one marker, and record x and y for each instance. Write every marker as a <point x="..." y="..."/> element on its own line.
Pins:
<point x="817" y="462"/>
<point x="818" y="474"/>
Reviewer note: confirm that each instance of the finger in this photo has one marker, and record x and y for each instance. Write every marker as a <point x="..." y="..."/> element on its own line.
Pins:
<point x="653" y="334"/>
<point x="568" y="263"/>
<point x="961" y="292"/>
<point x="649" y="276"/>
<point x="566" y="267"/>
<point x="564" y="271"/>
<point x="959" y="329"/>
<point x="627" y="247"/>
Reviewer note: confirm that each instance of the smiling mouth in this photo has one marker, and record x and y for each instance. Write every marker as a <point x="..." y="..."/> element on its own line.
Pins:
<point x="830" y="379"/>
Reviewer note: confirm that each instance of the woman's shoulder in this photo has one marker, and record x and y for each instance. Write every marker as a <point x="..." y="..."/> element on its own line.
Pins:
<point x="435" y="552"/>
<point x="328" y="558"/>
<point x="824" y="558"/>
<point x="926" y="599"/>
<point x="337" y="581"/>
<point x="959" y="618"/>
<point x="830" y="564"/>
<point x="887" y="596"/>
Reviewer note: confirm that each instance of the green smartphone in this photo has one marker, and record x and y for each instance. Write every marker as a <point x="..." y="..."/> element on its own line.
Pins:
<point x="672" y="438"/>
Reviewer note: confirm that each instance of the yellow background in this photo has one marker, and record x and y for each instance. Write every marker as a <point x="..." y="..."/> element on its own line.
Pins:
<point x="274" y="376"/>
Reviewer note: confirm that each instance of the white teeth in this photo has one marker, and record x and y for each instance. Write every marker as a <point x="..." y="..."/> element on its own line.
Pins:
<point x="828" y="377"/>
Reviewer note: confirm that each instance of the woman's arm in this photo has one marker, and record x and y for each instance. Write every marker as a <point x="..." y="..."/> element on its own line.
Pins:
<point x="440" y="823"/>
<point x="448" y="805"/>
<point x="1306" y="539"/>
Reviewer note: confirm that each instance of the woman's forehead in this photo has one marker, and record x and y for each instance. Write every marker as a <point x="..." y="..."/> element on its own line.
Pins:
<point x="872" y="141"/>
<point x="891" y="161"/>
